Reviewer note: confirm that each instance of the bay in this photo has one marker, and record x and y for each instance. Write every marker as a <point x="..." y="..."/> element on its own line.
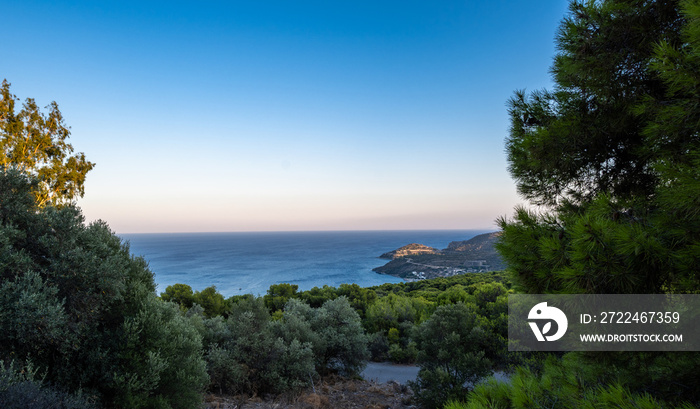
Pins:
<point x="249" y="262"/>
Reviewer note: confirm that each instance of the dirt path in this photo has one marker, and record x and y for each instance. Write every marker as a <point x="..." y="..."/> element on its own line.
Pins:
<point x="385" y="371"/>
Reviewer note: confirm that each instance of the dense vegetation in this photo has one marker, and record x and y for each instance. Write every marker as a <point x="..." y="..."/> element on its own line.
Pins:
<point x="455" y="328"/>
<point x="82" y="311"/>
<point x="611" y="155"/>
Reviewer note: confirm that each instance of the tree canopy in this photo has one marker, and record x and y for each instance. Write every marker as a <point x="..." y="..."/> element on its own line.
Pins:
<point x="79" y="307"/>
<point x="611" y="155"/>
<point x="36" y="143"/>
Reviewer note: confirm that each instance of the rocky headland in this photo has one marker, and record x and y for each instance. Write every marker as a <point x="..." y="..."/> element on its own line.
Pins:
<point x="412" y="249"/>
<point x="418" y="262"/>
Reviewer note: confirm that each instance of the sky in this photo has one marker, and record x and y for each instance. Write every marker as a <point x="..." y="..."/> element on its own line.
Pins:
<point x="206" y="116"/>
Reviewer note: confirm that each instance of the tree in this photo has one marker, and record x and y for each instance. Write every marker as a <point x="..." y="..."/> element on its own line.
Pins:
<point x="595" y="153"/>
<point x="248" y="353"/>
<point x="344" y="343"/>
<point x="612" y="156"/>
<point x="181" y="294"/>
<point x="584" y="139"/>
<point x="360" y="298"/>
<point x="278" y="295"/>
<point x="212" y="301"/>
<point x="36" y="143"/>
<point x="20" y="388"/>
<point x="451" y="345"/>
<point x="83" y="310"/>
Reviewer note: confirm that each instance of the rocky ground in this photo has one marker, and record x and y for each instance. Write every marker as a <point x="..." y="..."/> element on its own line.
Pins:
<point x="331" y="393"/>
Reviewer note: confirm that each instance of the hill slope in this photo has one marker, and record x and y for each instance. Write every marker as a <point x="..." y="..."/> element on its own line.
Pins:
<point x="416" y="261"/>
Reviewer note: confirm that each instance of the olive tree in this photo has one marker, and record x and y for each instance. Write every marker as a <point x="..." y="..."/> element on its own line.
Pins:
<point x="81" y="308"/>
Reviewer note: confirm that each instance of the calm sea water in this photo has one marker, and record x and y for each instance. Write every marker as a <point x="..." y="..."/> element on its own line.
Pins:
<point x="242" y="263"/>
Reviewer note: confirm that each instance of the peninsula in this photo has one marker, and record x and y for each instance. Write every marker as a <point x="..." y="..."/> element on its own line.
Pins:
<point x="419" y="262"/>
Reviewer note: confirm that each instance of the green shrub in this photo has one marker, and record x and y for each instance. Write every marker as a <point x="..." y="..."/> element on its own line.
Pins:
<point x="163" y="359"/>
<point x="20" y="389"/>
<point x="248" y="353"/>
<point x="407" y="354"/>
<point x="84" y="309"/>
<point x="181" y="294"/>
<point x="378" y="346"/>
<point x="393" y="310"/>
<point x="278" y="295"/>
<point x="212" y="301"/>
<point x="333" y="331"/>
<point x="562" y="383"/>
<point x="344" y="343"/>
<point x="451" y="346"/>
<point x="453" y="404"/>
<point x="226" y="374"/>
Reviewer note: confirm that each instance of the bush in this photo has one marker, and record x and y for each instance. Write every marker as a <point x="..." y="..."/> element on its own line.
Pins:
<point x="278" y="295"/>
<point x="393" y="310"/>
<point x="19" y="389"/>
<point x="451" y="354"/>
<point x="344" y="343"/>
<point x="403" y="355"/>
<point x="560" y="386"/>
<point x="248" y="353"/>
<point x="378" y="346"/>
<point x="333" y="331"/>
<point x="181" y="294"/>
<point x="163" y="354"/>
<point x="212" y="301"/>
<point x="225" y="373"/>
<point x="84" y="309"/>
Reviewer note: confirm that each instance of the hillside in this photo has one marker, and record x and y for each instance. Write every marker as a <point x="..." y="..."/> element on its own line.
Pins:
<point x="417" y="262"/>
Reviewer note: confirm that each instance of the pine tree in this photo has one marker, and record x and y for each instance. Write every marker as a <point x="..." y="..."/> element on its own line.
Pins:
<point x="612" y="157"/>
<point x="609" y="154"/>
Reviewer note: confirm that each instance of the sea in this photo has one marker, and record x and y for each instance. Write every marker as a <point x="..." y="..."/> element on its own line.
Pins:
<point x="249" y="262"/>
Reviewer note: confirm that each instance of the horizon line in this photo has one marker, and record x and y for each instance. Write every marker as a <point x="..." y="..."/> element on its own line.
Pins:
<point x="309" y="231"/>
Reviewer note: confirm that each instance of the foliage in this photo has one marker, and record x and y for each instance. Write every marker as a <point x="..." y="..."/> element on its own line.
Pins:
<point x="213" y="303"/>
<point x="386" y="311"/>
<point x="392" y="311"/>
<point x="360" y="298"/>
<point x="562" y="384"/>
<point x="316" y="296"/>
<point x="342" y="336"/>
<point x="612" y="156"/>
<point x="163" y="354"/>
<point x="583" y="139"/>
<point x="181" y="294"/>
<point x="36" y="144"/>
<point x="84" y="310"/>
<point x="451" y="345"/>
<point x="247" y="353"/>
<point x="20" y="389"/>
<point x="278" y="295"/>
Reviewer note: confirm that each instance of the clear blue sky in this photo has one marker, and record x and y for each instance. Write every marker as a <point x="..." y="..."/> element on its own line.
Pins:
<point x="285" y="115"/>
